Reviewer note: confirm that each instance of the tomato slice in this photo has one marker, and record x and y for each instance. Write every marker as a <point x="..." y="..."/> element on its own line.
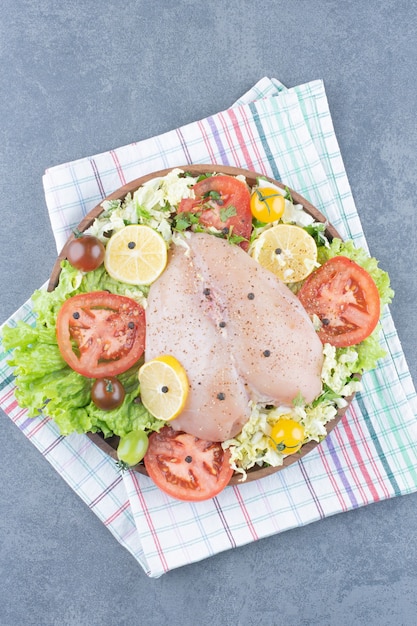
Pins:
<point x="222" y="202"/>
<point x="345" y="298"/>
<point x="101" y="334"/>
<point x="186" y="467"/>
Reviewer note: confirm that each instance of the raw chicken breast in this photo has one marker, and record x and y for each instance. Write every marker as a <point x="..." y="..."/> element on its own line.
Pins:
<point x="239" y="332"/>
<point x="178" y="323"/>
<point x="271" y="336"/>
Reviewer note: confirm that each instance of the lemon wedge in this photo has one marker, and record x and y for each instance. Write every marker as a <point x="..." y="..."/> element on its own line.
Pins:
<point x="136" y="255"/>
<point x="163" y="387"/>
<point x="286" y="250"/>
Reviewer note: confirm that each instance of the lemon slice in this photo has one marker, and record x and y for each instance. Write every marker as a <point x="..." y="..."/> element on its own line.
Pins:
<point x="286" y="250"/>
<point x="136" y="255"/>
<point x="163" y="387"/>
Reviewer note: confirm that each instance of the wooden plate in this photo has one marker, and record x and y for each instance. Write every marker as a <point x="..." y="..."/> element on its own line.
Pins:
<point x="109" y="445"/>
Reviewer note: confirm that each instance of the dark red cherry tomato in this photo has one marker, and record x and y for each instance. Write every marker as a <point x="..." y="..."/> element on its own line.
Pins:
<point x="107" y="393"/>
<point x="85" y="253"/>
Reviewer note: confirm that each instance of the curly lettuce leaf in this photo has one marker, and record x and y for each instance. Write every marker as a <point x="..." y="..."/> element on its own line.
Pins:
<point x="45" y="383"/>
<point x="99" y="279"/>
<point x="23" y="334"/>
<point x="369" y="352"/>
<point x="81" y="415"/>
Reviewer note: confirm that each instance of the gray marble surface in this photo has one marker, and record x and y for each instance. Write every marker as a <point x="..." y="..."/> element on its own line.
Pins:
<point x="82" y="77"/>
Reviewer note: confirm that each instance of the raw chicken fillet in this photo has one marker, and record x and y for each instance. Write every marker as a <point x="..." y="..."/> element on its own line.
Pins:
<point x="239" y="332"/>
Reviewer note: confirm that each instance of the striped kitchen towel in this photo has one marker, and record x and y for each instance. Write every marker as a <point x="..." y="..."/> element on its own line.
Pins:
<point x="370" y="456"/>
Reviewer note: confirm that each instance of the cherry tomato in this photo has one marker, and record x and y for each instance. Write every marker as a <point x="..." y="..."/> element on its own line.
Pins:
<point x="267" y="204"/>
<point x="185" y="467"/>
<point x="100" y="334"/>
<point x="345" y="298"/>
<point x="222" y="202"/>
<point x="287" y="435"/>
<point x="107" y="393"/>
<point x="85" y="252"/>
<point x="132" y="447"/>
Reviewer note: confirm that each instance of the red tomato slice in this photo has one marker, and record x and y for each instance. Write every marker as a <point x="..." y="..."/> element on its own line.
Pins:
<point x="185" y="467"/>
<point x="222" y="202"/>
<point x="101" y="334"/>
<point x="345" y="298"/>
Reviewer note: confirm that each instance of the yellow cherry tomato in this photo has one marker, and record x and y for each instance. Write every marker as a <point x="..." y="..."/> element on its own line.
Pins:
<point x="287" y="436"/>
<point x="267" y="204"/>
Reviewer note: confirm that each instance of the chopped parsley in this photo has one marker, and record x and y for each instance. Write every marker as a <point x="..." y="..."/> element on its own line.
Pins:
<point x="227" y="212"/>
<point x="184" y="220"/>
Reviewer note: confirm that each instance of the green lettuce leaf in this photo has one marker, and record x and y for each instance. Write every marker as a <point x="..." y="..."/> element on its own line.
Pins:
<point x="46" y="384"/>
<point x="369" y="353"/>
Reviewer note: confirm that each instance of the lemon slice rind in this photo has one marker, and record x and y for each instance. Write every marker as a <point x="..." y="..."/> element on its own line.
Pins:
<point x="163" y="387"/>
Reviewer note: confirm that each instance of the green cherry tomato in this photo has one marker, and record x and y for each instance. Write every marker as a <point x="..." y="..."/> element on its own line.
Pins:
<point x="132" y="447"/>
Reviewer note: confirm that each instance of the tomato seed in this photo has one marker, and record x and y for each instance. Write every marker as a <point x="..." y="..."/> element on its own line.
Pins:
<point x="76" y="315"/>
<point x="188" y="459"/>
